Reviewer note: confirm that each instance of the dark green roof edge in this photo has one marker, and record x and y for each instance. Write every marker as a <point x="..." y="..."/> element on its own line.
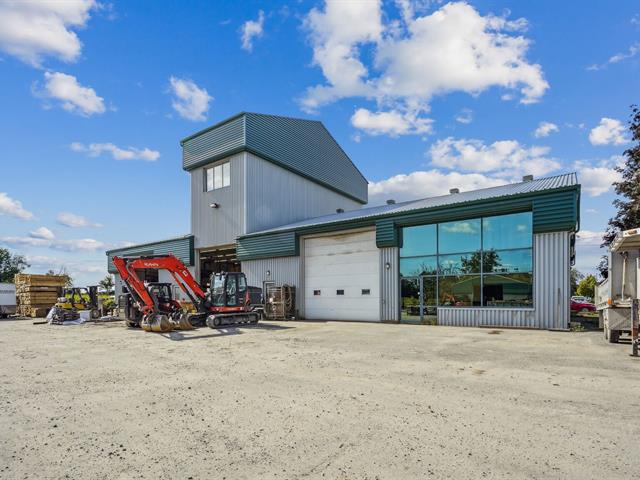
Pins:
<point x="150" y="244"/>
<point x="216" y="125"/>
<point x="371" y="220"/>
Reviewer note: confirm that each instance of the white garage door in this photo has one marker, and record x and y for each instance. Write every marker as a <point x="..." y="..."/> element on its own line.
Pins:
<point x="342" y="277"/>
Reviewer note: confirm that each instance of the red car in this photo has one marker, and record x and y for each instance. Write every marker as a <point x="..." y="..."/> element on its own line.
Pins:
<point x="582" y="307"/>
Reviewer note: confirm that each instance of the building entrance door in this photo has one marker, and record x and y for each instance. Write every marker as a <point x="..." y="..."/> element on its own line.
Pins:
<point x="419" y="300"/>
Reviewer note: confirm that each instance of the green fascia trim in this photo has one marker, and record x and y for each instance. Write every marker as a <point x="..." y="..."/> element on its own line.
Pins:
<point x="281" y="245"/>
<point x="498" y="205"/>
<point x="149" y="244"/>
<point x="205" y="130"/>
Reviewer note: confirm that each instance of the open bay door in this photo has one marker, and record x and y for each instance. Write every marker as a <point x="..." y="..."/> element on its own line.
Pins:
<point x="342" y="277"/>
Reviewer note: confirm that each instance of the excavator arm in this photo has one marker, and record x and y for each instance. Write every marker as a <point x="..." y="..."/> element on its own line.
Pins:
<point x="148" y="305"/>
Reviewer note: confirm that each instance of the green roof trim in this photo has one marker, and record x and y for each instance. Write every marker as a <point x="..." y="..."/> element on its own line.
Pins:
<point x="553" y="210"/>
<point x="302" y="146"/>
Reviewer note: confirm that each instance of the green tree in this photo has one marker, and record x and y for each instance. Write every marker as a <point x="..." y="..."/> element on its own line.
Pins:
<point x="628" y="190"/>
<point x="68" y="280"/>
<point x="587" y="286"/>
<point x="107" y="284"/>
<point x="490" y="262"/>
<point x="575" y="278"/>
<point x="10" y="264"/>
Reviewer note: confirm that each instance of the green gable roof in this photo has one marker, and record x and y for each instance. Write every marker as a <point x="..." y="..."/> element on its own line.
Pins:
<point x="302" y="146"/>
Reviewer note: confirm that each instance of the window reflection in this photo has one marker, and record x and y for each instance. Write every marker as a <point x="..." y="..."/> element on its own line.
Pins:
<point x="461" y="236"/>
<point x="477" y="262"/>
<point x="507" y="231"/>
<point x="508" y="290"/>
<point x="419" y="241"/>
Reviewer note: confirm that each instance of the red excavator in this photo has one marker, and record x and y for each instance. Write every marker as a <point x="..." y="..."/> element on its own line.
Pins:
<point x="228" y="301"/>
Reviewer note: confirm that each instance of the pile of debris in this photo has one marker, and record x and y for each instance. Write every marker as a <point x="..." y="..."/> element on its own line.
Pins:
<point x="36" y="294"/>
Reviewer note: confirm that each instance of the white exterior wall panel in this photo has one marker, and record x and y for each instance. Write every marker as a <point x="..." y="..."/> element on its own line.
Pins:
<point x="275" y="196"/>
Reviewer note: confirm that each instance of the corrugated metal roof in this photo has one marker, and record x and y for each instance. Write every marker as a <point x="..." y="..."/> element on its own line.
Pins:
<point x="303" y="146"/>
<point x="542" y="184"/>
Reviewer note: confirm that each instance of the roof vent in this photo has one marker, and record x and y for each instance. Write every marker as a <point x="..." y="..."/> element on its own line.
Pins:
<point x="391" y="201"/>
<point x="454" y="190"/>
<point x="527" y="178"/>
<point x="339" y="210"/>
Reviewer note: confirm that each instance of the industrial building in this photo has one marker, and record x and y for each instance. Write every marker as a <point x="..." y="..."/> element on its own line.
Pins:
<point x="278" y="199"/>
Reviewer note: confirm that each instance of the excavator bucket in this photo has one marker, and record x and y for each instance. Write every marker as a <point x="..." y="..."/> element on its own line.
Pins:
<point x="183" y="323"/>
<point x="157" y="323"/>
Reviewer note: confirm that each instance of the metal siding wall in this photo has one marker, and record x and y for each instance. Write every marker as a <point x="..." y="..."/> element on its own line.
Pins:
<point x="487" y="317"/>
<point x="218" y="226"/>
<point x="389" y="294"/>
<point x="276" y="196"/>
<point x="283" y="270"/>
<point x="551" y="279"/>
<point x="307" y="147"/>
<point x="180" y="247"/>
<point x="215" y="142"/>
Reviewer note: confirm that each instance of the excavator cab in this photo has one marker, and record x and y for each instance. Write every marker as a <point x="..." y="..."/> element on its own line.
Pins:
<point x="228" y="290"/>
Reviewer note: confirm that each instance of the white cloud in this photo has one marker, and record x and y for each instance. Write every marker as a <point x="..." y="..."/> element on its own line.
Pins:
<point x="44" y="263"/>
<point x="75" y="245"/>
<point x="390" y="123"/>
<point x="428" y="183"/>
<point x="618" y="57"/>
<point x="32" y="30"/>
<point x="416" y="58"/>
<point x="589" y="238"/>
<point x="190" y="101"/>
<point x="608" y="132"/>
<point x="72" y="220"/>
<point x="250" y="30"/>
<point x="42" y="232"/>
<point x="599" y="178"/>
<point x="117" y="153"/>
<point x="544" y="129"/>
<point x="465" y="116"/>
<point x="72" y="96"/>
<point x="13" y="208"/>
<point x="506" y="158"/>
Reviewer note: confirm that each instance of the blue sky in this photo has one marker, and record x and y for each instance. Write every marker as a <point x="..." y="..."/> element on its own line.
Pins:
<point x="423" y="96"/>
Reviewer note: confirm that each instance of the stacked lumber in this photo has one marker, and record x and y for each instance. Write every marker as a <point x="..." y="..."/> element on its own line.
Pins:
<point x="36" y="294"/>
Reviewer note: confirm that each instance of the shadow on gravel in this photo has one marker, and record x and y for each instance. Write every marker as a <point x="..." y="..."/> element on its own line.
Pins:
<point x="178" y="335"/>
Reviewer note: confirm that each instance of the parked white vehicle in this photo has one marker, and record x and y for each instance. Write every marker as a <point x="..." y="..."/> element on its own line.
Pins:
<point x="615" y="294"/>
<point x="7" y="299"/>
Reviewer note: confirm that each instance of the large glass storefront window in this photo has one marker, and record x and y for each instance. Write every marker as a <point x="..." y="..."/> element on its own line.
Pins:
<point x="477" y="262"/>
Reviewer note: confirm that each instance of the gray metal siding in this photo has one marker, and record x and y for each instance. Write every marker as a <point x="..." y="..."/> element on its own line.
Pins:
<point x="282" y="270"/>
<point x="214" y="143"/>
<point x="389" y="287"/>
<point x="180" y="247"/>
<point x="551" y="293"/>
<point x="486" y="317"/>
<point x="306" y="147"/>
<point x="276" y="196"/>
<point x="218" y="226"/>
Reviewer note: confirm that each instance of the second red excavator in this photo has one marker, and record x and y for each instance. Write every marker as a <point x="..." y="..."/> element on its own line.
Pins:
<point x="228" y="301"/>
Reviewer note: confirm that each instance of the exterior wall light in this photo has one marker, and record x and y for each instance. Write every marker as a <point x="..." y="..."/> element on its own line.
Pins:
<point x="268" y="273"/>
<point x="214" y="205"/>
<point x="387" y="265"/>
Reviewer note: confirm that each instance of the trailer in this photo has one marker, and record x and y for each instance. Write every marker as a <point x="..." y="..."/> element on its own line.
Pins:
<point x="8" y="302"/>
<point x="616" y="295"/>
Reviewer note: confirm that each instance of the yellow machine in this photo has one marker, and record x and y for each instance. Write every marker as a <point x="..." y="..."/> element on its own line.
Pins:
<point x="75" y="299"/>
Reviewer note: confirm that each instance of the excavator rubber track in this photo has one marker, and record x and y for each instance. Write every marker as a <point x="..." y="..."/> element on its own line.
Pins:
<point x="219" y="320"/>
